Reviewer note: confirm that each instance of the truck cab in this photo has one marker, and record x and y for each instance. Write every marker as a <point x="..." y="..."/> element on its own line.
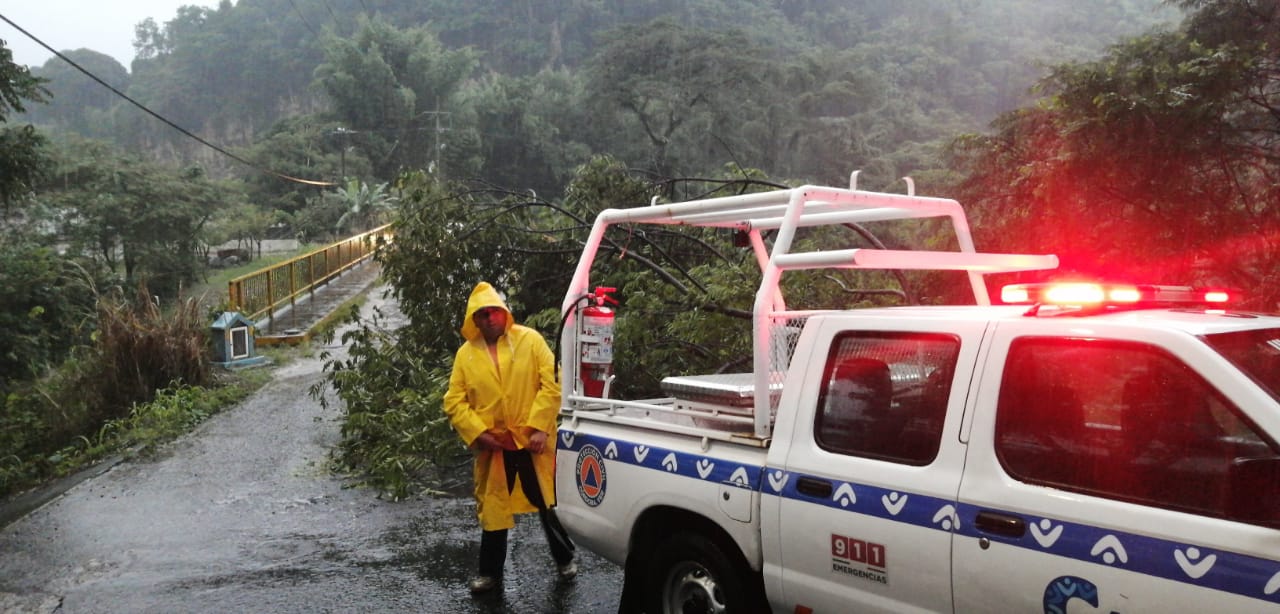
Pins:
<point x="984" y="459"/>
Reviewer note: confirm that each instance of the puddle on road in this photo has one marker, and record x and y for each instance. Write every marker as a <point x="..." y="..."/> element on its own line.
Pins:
<point x="443" y="548"/>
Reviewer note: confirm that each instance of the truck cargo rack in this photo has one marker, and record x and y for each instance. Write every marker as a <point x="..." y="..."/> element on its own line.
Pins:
<point x="784" y="211"/>
<point x="671" y="415"/>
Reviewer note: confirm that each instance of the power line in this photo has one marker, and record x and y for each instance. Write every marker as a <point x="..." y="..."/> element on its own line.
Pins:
<point x="162" y="118"/>
<point x="332" y="15"/>
<point x="304" y="19"/>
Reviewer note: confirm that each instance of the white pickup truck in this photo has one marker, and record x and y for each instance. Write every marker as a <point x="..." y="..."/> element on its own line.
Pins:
<point x="1093" y="447"/>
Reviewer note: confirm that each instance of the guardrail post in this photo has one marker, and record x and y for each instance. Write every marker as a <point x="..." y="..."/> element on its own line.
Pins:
<point x="293" y="293"/>
<point x="271" y="316"/>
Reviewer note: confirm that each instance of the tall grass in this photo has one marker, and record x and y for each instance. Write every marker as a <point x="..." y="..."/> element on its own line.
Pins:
<point x="144" y="377"/>
<point x="143" y="349"/>
<point x="137" y="350"/>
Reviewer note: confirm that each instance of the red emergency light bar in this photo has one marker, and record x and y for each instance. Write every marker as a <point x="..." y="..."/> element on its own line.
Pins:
<point x="1076" y="294"/>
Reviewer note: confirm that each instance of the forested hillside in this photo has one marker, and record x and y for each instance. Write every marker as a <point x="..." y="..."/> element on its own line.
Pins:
<point x="520" y="92"/>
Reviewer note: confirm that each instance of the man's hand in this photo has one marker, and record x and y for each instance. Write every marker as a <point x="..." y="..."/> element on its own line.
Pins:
<point x="486" y="441"/>
<point x="537" y="442"/>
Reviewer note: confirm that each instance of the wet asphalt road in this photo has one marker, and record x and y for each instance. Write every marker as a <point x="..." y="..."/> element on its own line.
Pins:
<point x="242" y="516"/>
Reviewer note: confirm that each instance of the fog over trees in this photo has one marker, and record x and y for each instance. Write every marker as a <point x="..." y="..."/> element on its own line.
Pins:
<point x="520" y="93"/>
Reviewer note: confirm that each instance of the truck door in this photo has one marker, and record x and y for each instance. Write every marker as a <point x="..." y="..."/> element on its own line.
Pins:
<point x="1100" y="474"/>
<point x="858" y="515"/>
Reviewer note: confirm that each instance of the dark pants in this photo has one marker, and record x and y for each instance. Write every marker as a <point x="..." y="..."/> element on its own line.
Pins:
<point x="493" y="544"/>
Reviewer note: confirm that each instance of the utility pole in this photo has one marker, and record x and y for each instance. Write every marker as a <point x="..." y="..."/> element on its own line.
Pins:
<point x="439" y="143"/>
<point x="342" y="153"/>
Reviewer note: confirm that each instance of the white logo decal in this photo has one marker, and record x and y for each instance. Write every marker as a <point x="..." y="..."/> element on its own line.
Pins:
<point x="567" y="438"/>
<point x="844" y="495"/>
<point x="1111" y="550"/>
<point x="704" y="468"/>
<point x="1273" y="585"/>
<point x="1195" y="569"/>
<point x="611" y="450"/>
<point x="670" y="462"/>
<point x="1044" y="535"/>
<point x="894" y="502"/>
<point x="777" y="480"/>
<point x="947" y="518"/>
<point x="739" y="477"/>
<point x="641" y="452"/>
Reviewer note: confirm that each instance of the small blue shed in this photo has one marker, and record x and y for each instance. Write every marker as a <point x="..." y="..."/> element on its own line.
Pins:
<point x="233" y="343"/>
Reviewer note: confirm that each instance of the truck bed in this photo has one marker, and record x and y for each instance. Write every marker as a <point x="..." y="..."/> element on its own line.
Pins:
<point x="714" y="406"/>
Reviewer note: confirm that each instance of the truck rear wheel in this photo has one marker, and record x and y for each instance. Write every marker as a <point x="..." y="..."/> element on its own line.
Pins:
<point x="689" y="573"/>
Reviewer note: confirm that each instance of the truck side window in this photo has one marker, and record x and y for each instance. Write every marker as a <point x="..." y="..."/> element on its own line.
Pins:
<point x="884" y="395"/>
<point x="1125" y="421"/>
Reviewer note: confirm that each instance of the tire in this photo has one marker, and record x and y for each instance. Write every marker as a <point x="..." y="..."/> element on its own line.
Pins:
<point x="690" y="574"/>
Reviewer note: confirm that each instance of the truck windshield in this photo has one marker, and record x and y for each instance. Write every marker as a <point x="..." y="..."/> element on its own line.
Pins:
<point x="1256" y="352"/>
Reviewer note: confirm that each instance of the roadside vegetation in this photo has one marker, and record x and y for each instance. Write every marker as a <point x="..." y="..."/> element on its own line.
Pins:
<point x="137" y="377"/>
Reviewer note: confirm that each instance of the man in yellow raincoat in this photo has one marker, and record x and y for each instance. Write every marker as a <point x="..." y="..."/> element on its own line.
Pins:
<point x="503" y="399"/>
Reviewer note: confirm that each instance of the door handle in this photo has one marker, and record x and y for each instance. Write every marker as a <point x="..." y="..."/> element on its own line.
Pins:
<point x="996" y="523"/>
<point x="814" y="487"/>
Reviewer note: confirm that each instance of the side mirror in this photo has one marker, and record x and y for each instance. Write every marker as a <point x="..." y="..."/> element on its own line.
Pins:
<point x="1255" y="491"/>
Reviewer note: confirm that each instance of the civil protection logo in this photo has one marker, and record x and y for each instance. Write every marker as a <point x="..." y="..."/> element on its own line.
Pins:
<point x="591" y="476"/>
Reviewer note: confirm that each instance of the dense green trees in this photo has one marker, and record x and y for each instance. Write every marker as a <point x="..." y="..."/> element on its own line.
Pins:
<point x="21" y="156"/>
<point x="678" y="84"/>
<point x="230" y="71"/>
<point x="46" y="307"/>
<point x="526" y="131"/>
<point x="385" y="85"/>
<point x="810" y="89"/>
<point x="133" y="216"/>
<point x="36" y="318"/>
<point x="77" y="103"/>
<point x="1159" y="162"/>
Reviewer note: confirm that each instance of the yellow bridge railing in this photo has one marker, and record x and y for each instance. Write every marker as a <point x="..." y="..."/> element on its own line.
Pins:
<point x="262" y="293"/>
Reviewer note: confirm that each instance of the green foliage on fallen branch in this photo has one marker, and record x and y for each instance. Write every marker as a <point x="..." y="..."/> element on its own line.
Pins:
<point x="394" y="429"/>
<point x="686" y="299"/>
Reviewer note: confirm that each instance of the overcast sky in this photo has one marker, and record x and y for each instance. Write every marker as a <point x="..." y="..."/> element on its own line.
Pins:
<point x="105" y="26"/>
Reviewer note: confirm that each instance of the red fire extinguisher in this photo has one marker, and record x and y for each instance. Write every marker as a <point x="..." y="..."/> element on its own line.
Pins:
<point x="596" y="342"/>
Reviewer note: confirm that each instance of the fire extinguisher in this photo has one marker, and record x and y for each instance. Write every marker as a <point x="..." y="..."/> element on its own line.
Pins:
<point x="596" y="342"/>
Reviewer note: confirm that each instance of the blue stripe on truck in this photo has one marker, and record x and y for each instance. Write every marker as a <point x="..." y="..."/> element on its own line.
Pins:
<point x="1192" y="564"/>
<point x="695" y="466"/>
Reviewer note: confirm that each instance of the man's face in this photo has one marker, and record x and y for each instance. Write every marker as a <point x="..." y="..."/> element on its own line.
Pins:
<point x="491" y="321"/>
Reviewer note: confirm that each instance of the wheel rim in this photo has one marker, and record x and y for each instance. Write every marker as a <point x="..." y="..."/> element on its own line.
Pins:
<point x="691" y="589"/>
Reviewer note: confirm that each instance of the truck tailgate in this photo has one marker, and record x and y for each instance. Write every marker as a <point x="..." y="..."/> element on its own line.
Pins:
<point x="613" y="469"/>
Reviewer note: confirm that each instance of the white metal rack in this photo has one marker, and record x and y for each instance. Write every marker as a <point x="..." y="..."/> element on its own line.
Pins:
<point x="785" y="211"/>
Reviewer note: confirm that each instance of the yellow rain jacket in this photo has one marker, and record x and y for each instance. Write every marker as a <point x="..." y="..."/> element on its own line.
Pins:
<point x="521" y="395"/>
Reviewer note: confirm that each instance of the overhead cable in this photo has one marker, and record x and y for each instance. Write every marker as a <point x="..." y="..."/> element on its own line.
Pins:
<point x="304" y="19"/>
<point x="332" y="15"/>
<point x="164" y="119"/>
